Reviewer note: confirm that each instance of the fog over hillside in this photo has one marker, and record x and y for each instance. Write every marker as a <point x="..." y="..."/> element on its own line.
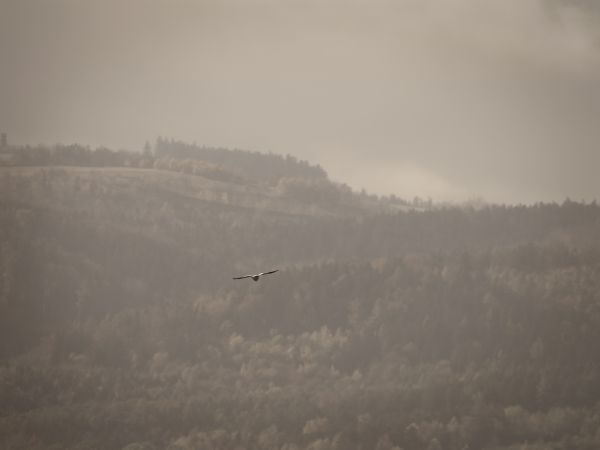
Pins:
<point x="446" y="99"/>
<point x="419" y="178"/>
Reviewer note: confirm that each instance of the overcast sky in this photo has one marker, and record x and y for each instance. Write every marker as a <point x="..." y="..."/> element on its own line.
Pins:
<point x="449" y="99"/>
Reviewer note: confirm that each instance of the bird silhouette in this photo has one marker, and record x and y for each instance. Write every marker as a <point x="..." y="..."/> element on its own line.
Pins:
<point x="256" y="276"/>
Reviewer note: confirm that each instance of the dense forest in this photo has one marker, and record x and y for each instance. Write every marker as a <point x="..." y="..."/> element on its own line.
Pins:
<point x="391" y="324"/>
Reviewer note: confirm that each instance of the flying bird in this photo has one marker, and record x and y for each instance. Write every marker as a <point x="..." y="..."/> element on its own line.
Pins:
<point x="257" y="276"/>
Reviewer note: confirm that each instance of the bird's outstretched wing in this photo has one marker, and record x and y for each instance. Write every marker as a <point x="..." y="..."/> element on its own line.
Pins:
<point x="267" y="273"/>
<point x="257" y="276"/>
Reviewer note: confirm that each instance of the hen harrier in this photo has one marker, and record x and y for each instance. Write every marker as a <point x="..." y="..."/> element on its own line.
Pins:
<point x="257" y="276"/>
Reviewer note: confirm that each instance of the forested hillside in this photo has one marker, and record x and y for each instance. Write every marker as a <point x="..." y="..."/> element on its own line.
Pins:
<point x="390" y="325"/>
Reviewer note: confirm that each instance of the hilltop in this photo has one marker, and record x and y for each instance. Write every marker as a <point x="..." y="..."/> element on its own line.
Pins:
<point x="294" y="182"/>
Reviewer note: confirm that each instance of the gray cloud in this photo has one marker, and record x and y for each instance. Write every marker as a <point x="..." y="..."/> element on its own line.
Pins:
<point x="444" y="99"/>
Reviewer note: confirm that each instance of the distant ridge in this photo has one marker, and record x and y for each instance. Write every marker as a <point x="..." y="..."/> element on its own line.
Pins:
<point x="254" y="165"/>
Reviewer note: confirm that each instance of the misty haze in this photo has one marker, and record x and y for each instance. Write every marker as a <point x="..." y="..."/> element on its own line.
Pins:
<point x="299" y="224"/>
